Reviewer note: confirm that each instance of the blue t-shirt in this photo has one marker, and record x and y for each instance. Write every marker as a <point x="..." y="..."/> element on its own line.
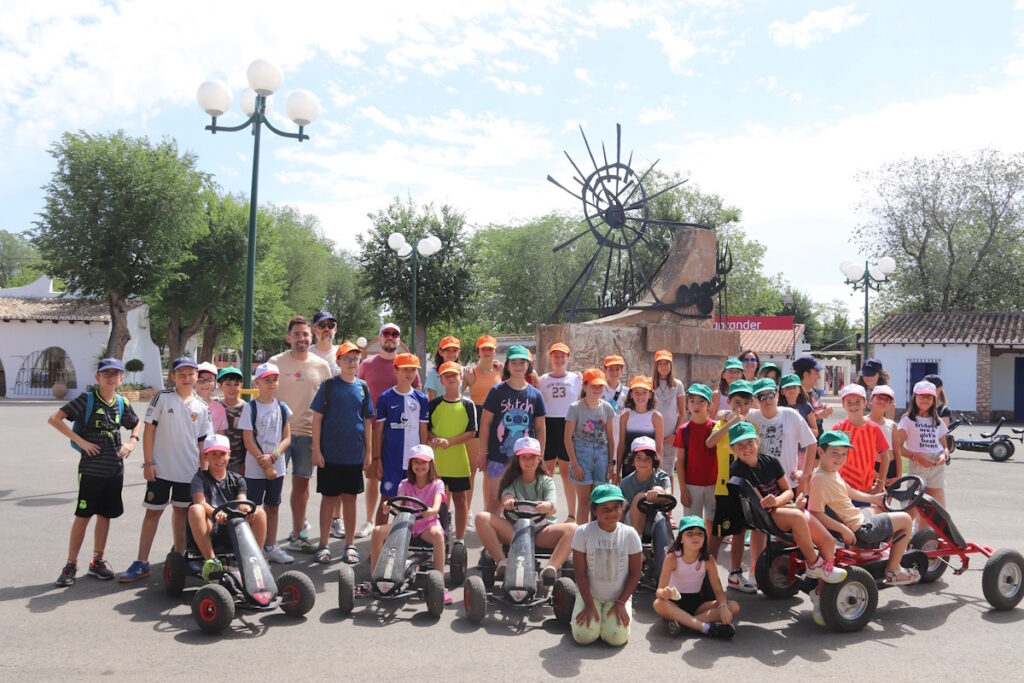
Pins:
<point x="341" y="433"/>
<point x="514" y="412"/>
<point x="402" y="415"/>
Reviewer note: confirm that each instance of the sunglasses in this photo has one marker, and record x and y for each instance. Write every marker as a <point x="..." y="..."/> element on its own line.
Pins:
<point x="390" y="333"/>
<point x="767" y="396"/>
<point x="748" y="361"/>
<point x="109" y="373"/>
<point x="206" y="380"/>
<point x="325" y="325"/>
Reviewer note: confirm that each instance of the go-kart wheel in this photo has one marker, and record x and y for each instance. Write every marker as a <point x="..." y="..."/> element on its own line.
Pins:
<point x="297" y="593"/>
<point x="346" y="589"/>
<point x="213" y="608"/>
<point x="931" y="569"/>
<point x="175" y="571"/>
<point x="435" y="593"/>
<point x="458" y="563"/>
<point x="474" y="598"/>
<point x="563" y="599"/>
<point x="903" y="494"/>
<point x="1001" y="581"/>
<point x="848" y="606"/>
<point x="1001" y="451"/>
<point x="774" y="579"/>
<point x="487" y="570"/>
<point x="569" y="569"/>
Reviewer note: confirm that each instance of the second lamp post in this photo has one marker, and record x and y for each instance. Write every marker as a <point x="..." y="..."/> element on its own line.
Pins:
<point x="426" y="247"/>
<point x="871" y="277"/>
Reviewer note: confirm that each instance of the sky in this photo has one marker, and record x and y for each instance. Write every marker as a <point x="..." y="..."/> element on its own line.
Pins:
<point x="778" y="107"/>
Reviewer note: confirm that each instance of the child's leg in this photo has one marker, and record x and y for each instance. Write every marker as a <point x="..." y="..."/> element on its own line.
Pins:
<point x="493" y="490"/>
<point x="461" y="501"/>
<point x="736" y="552"/>
<point x="939" y="494"/>
<point x="99" y="536"/>
<point x="299" y="500"/>
<point x="612" y="632"/>
<point x="328" y="504"/>
<point x="272" y="511"/>
<point x="901" y="524"/>
<point x="78" y="528"/>
<point x="570" y="489"/>
<point x="348" y="516"/>
<point x="435" y="537"/>
<point x="380" y="532"/>
<point x="583" y="492"/>
<point x="201" y="529"/>
<point x="472" y="447"/>
<point x="559" y="538"/>
<point x="637" y="518"/>
<point x="258" y="524"/>
<point x="337" y="512"/>
<point x="793" y="521"/>
<point x="708" y="612"/>
<point x="585" y="634"/>
<point x="488" y="527"/>
<point x="822" y="538"/>
<point x="714" y="545"/>
<point x="179" y="519"/>
<point x="372" y="495"/>
<point x="149" y="525"/>
<point x="758" y="540"/>
<point x="667" y="609"/>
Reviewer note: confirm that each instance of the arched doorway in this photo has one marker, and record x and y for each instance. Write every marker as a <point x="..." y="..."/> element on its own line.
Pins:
<point x="42" y="369"/>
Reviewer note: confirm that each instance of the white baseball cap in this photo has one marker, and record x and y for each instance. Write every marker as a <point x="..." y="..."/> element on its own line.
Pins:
<point x="853" y="390"/>
<point x="643" y="443"/>
<point x="266" y="370"/>
<point x="527" y="445"/>
<point x="216" y="442"/>
<point x="421" y="451"/>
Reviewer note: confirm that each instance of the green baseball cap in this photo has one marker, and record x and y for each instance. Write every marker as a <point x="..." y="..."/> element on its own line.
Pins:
<point x="741" y="431"/>
<point x="229" y="372"/>
<point x="789" y="381"/>
<point x="834" y="438"/>
<point x="768" y="365"/>
<point x="606" y="492"/>
<point x="702" y="390"/>
<point x="741" y="386"/>
<point x="764" y="384"/>
<point x="733" y="364"/>
<point x="692" y="522"/>
<point x="517" y="353"/>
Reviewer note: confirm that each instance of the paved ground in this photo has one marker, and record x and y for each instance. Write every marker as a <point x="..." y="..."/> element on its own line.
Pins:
<point x="944" y="631"/>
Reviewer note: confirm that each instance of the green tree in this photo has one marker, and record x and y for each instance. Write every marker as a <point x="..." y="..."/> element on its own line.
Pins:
<point x="347" y="298"/>
<point x="837" y="332"/>
<point x="120" y="214"/>
<point x="955" y="226"/>
<point x="19" y="260"/>
<point x="749" y="290"/>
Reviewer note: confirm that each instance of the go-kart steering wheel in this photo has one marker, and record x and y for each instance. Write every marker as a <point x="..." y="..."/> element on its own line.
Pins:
<point x="663" y="503"/>
<point x="396" y="505"/>
<point x="525" y="509"/>
<point x="903" y="494"/>
<point x="231" y="508"/>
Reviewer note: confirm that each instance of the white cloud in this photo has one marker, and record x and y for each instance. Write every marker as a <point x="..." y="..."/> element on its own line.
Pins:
<point x="514" y="87"/>
<point x="674" y="43"/>
<point x="815" y="27"/>
<point x="583" y="75"/>
<point x="659" y="114"/>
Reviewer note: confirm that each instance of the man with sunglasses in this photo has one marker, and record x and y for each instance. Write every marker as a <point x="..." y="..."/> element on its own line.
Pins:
<point x="324" y="328"/>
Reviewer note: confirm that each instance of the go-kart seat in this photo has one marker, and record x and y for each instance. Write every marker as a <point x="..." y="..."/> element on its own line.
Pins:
<point x="930" y="508"/>
<point x="756" y="516"/>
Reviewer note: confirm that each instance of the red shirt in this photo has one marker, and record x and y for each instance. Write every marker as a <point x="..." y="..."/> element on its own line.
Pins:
<point x="701" y="462"/>
<point x="868" y="442"/>
<point x="380" y="375"/>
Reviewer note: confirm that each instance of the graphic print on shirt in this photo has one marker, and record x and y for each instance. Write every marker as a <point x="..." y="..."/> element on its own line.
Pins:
<point x="593" y="431"/>
<point x="514" y="424"/>
<point x="771" y="440"/>
<point x="606" y="561"/>
<point x="928" y="432"/>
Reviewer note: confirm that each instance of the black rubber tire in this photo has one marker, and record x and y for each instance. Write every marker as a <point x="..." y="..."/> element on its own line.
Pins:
<point x="346" y="589"/>
<point x="175" y="572"/>
<point x="1001" y="579"/>
<point x="849" y="606"/>
<point x="927" y="539"/>
<point x="213" y="608"/>
<point x="434" y="592"/>
<point x="298" y="594"/>
<point x="1001" y="451"/>
<point x="474" y="599"/>
<point x="774" y="581"/>
<point x="487" y="575"/>
<point x="563" y="599"/>
<point x="458" y="563"/>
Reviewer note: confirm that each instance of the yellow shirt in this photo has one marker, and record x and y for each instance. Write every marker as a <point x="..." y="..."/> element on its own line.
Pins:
<point x="725" y="459"/>
<point x="297" y="386"/>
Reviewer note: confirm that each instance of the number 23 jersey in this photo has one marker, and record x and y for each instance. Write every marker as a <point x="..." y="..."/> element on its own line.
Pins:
<point x="560" y="392"/>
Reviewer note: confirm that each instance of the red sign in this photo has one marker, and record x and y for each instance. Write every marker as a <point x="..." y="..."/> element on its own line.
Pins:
<point x="755" y="322"/>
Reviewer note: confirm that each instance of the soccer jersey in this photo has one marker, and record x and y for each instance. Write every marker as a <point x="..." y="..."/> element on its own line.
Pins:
<point x="868" y="441"/>
<point x="102" y="427"/>
<point x="181" y="424"/>
<point x="449" y="419"/>
<point x="725" y="458"/>
<point x="379" y="373"/>
<point x="269" y="426"/>
<point x="560" y="392"/>
<point x="402" y="415"/>
<point x="344" y="406"/>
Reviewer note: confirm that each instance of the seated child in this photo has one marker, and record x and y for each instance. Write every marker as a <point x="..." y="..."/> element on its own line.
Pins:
<point x="608" y="558"/>
<point x="646" y="481"/>
<point x="525" y="480"/>
<point x="212" y="488"/>
<point x="690" y="592"/>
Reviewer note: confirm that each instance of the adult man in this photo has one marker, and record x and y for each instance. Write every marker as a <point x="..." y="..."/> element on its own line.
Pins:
<point x="324" y="327"/>
<point x="379" y="372"/>
<point x="301" y="375"/>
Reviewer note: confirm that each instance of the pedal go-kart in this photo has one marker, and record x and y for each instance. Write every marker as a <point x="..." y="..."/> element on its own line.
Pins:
<point x="405" y="567"/>
<point x="246" y="582"/>
<point x="521" y="587"/>
<point x="849" y="605"/>
<point x="998" y="446"/>
<point x="656" y="538"/>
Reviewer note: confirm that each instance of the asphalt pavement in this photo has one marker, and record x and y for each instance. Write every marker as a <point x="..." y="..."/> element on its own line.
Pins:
<point x="105" y="630"/>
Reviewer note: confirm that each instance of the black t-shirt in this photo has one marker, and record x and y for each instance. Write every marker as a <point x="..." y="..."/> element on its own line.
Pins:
<point x="101" y="428"/>
<point x="765" y="476"/>
<point x="234" y="434"/>
<point x="218" y="492"/>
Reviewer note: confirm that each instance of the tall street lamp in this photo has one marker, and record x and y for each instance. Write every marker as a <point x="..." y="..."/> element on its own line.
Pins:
<point x="871" y="277"/>
<point x="426" y="247"/>
<point x="788" y="300"/>
<point x="302" y="107"/>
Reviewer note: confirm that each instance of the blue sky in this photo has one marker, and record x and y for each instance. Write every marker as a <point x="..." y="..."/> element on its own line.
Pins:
<point x="777" y="106"/>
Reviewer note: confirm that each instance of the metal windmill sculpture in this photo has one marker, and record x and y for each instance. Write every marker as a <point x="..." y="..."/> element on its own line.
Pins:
<point x="617" y="211"/>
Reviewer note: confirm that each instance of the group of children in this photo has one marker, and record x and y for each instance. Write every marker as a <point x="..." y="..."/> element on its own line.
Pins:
<point x="200" y="453"/>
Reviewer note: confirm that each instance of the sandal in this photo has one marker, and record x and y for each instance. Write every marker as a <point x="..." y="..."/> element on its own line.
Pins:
<point x="322" y="556"/>
<point x="363" y="589"/>
<point x="351" y="555"/>
<point x="903" y="577"/>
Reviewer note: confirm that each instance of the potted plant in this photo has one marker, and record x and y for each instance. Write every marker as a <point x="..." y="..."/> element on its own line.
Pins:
<point x="134" y="366"/>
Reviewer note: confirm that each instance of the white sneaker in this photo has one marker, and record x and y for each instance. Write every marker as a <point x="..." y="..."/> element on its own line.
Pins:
<point x="826" y="571"/>
<point x="305" y="525"/>
<point x="739" y="581"/>
<point x="365" y="530"/>
<point x="276" y="553"/>
<point x="819" y="619"/>
<point x="337" y="530"/>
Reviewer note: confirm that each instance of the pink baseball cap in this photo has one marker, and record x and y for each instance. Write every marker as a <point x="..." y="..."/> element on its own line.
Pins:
<point x="421" y="451"/>
<point x="527" y="445"/>
<point x="853" y="390"/>
<point x="266" y="370"/>
<point x="883" y="390"/>
<point x="216" y="442"/>
<point x="926" y="388"/>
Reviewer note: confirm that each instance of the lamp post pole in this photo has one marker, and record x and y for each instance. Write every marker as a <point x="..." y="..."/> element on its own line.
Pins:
<point x="302" y="107"/>
<point x="426" y="247"/>
<point x="871" y="277"/>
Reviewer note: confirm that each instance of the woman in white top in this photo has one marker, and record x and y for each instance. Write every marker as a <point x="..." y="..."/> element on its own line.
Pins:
<point x="671" y="398"/>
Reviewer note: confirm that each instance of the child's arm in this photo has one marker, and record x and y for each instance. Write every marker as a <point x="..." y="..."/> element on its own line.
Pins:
<point x="486" y="417"/>
<point x="148" y="467"/>
<point x="570" y="449"/>
<point x="723" y="431"/>
<point x="861" y="497"/>
<point x="424" y="434"/>
<point x="609" y="433"/>
<point x="435" y="509"/>
<point x="368" y="440"/>
<point x="667" y="567"/>
<point x="772" y="501"/>
<point x="540" y="426"/>
<point x="318" y="456"/>
<point x="198" y="498"/>
<point x="57" y="422"/>
<point x="622" y="445"/>
<point x="253" y="449"/>
<point x="659" y="431"/>
<point x="378" y="438"/>
<point x="285" y="442"/>
<point x="833" y="524"/>
<point x="632" y="580"/>
<point x="884" y="458"/>
<point x="684" y="495"/>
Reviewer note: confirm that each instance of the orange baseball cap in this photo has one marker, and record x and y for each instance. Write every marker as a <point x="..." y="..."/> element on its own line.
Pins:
<point x="664" y="354"/>
<point x="641" y="381"/>
<point x="614" y="360"/>
<point x="559" y="346"/>
<point x="594" y="376"/>
<point x="450" y="366"/>
<point x="346" y="348"/>
<point x="407" y="360"/>
<point x="486" y="341"/>
<point x="448" y="342"/>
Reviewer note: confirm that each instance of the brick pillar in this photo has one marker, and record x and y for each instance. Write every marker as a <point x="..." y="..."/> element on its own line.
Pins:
<point x="984" y="390"/>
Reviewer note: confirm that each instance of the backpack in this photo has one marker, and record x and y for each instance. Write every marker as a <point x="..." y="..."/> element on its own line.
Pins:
<point x="90" y="403"/>
<point x="252" y="404"/>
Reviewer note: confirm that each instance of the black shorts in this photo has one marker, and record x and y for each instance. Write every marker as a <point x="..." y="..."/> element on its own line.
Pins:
<point x="892" y="468"/>
<point x="159" y="492"/>
<point x="729" y="518"/>
<point x="690" y="602"/>
<point x="335" y="480"/>
<point x="456" y="484"/>
<point x="877" y="528"/>
<point x="99" y="496"/>
<point x="554" y="441"/>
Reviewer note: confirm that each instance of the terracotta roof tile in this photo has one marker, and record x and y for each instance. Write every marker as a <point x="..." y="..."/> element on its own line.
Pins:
<point x="775" y="342"/>
<point x="950" y="328"/>
<point x="55" y="308"/>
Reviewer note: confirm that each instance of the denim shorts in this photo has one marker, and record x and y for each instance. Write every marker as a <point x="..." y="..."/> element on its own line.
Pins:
<point x="593" y="458"/>
<point x="300" y="455"/>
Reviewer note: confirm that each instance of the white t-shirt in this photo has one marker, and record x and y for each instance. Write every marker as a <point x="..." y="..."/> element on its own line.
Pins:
<point x="607" y="557"/>
<point x="888" y="428"/>
<point x="560" y="392"/>
<point x="180" y="426"/>
<point x="782" y="437"/>
<point x="668" y="405"/>
<point x="330" y="356"/>
<point x="924" y="434"/>
<point x="268" y="434"/>
<point x="618" y="403"/>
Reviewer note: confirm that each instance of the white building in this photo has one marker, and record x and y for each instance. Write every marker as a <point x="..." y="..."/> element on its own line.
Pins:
<point x="46" y="336"/>
<point x="979" y="356"/>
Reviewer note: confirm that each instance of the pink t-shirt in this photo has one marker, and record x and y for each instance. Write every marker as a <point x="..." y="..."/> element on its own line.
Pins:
<point x="425" y="494"/>
<point x="218" y="418"/>
<point x="380" y="376"/>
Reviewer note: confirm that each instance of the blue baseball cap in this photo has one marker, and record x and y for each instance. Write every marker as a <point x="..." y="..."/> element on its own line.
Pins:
<point x="323" y="315"/>
<point x="110" y="364"/>
<point x="184" y="362"/>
